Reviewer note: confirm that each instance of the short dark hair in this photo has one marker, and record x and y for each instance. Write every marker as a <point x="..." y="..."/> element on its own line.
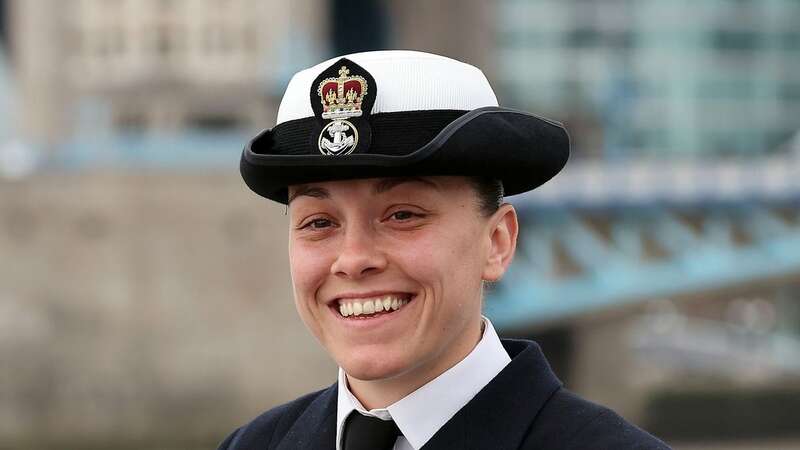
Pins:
<point x="490" y="194"/>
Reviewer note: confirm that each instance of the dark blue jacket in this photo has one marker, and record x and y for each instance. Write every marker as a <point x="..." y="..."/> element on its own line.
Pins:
<point x="523" y="407"/>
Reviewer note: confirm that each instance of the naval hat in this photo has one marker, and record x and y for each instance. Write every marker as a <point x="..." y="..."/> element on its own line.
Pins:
<point x="399" y="113"/>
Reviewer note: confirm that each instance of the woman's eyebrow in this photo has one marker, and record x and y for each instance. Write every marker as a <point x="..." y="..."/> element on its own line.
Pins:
<point x="387" y="184"/>
<point x="311" y="191"/>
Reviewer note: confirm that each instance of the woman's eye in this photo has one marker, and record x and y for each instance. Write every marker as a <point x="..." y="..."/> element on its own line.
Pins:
<point x="317" y="224"/>
<point x="403" y="215"/>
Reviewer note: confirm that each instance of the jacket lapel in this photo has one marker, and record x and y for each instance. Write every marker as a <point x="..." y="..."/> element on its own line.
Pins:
<point x="500" y="415"/>
<point x="316" y="427"/>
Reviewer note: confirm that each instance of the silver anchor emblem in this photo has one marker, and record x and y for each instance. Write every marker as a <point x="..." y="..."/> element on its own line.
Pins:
<point x="344" y="138"/>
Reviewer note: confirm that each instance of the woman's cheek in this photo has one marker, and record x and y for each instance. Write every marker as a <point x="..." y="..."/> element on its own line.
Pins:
<point x="308" y="268"/>
<point x="420" y="257"/>
<point x="307" y="275"/>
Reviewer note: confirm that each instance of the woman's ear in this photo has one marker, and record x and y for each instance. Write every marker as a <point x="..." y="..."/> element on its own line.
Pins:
<point x="503" y="230"/>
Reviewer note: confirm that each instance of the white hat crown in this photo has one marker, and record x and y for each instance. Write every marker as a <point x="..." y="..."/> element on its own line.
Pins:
<point x="406" y="81"/>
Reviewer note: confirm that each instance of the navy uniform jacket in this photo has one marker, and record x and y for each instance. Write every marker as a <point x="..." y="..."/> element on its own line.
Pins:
<point x="523" y="407"/>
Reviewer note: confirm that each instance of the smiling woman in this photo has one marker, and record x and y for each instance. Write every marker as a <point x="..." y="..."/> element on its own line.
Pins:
<point x="397" y="220"/>
<point x="419" y="243"/>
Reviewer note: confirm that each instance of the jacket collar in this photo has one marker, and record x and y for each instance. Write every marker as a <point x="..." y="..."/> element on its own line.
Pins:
<point x="315" y="429"/>
<point x="501" y="414"/>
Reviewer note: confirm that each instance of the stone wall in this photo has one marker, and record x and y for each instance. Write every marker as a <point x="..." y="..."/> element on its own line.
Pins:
<point x="136" y="307"/>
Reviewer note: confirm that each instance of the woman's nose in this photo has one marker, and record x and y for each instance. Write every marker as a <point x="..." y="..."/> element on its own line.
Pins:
<point x="358" y="255"/>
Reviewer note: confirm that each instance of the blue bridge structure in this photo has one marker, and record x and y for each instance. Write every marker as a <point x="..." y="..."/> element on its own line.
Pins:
<point x="602" y="237"/>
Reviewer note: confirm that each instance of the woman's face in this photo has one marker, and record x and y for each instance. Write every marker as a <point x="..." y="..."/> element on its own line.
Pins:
<point x="387" y="272"/>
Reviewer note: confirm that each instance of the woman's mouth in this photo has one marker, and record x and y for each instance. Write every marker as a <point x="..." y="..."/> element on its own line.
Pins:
<point x="364" y="308"/>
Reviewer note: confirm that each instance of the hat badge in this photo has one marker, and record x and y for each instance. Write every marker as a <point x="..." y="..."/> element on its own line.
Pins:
<point x="341" y="98"/>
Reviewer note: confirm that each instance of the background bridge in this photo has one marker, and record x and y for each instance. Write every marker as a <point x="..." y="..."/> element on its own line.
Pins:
<point x="602" y="238"/>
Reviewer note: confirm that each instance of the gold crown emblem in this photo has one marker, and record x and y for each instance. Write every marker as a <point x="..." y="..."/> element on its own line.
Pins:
<point x="342" y="97"/>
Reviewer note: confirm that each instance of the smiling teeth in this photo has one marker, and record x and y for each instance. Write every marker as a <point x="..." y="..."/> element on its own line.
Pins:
<point x="357" y="307"/>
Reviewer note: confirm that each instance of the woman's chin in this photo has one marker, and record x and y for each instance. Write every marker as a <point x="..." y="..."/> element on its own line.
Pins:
<point x="373" y="367"/>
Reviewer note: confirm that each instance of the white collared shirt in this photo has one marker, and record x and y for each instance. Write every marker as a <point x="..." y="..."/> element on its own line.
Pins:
<point x="420" y="414"/>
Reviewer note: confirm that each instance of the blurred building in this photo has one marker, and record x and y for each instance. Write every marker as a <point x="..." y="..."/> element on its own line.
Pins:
<point x="653" y="77"/>
<point x="3" y="24"/>
<point x="154" y="65"/>
<point x="16" y="159"/>
<point x="6" y="94"/>
<point x="460" y="29"/>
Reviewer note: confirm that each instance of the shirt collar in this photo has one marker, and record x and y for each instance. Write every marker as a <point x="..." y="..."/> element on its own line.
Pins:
<point x="420" y="414"/>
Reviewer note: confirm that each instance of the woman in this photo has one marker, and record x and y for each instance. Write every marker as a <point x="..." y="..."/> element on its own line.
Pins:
<point x="393" y="166"/>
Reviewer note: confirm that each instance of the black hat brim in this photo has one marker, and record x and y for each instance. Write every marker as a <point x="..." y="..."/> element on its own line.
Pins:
<point x="520" y="149"/>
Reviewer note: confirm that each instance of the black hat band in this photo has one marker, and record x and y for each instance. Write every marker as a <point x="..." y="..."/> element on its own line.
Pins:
<point x="394" y="133"/>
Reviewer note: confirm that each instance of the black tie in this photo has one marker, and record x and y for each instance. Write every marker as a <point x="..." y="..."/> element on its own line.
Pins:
<point x="369" y="433"/>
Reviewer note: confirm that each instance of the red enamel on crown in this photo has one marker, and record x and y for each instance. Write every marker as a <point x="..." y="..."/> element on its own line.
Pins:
<point x="342" y="97"/>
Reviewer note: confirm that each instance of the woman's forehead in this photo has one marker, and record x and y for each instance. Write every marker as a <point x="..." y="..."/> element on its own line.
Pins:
<point x="377" y="186"/>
